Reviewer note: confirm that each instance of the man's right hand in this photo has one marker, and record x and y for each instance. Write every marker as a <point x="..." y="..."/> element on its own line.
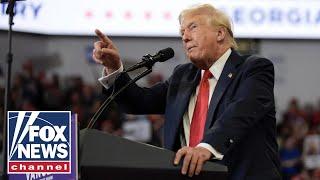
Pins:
<point x="106" y="53"/>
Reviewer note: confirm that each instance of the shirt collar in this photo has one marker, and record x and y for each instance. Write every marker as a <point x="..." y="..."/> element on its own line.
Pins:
<point x="217" y="67"/>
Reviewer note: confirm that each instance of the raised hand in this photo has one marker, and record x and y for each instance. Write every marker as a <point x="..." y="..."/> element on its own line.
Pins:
<point x="106" y="53"/>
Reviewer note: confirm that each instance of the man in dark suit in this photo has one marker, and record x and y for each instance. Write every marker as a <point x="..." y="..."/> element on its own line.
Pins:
<point x="220" y="106"/>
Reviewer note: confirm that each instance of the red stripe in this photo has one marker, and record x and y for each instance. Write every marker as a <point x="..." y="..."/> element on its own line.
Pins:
<point x="40" y="166"/>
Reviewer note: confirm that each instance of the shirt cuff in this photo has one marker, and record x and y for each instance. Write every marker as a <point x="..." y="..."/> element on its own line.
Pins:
<point x="216" y="154"/>
<point x="107" y="80"/>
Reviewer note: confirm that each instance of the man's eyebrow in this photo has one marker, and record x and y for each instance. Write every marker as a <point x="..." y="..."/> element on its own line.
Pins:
<point x="187" y="26"/>
<point x="190" y="24"/>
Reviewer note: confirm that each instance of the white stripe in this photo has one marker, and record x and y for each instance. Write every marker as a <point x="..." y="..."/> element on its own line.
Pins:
<point x="33" y="117"/>
<point x="17" y="129"/>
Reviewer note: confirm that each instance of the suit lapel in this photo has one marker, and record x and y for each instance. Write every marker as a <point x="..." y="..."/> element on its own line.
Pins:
<point x="177" y="109"/>
<point x="187" y="87"/>
<point x="226" y="77"/>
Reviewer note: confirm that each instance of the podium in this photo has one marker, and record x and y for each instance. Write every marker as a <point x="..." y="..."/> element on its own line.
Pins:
<point x="104" y="156"/>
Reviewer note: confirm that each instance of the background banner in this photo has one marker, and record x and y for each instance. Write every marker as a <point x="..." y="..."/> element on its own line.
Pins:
<point x="251" y="18"/>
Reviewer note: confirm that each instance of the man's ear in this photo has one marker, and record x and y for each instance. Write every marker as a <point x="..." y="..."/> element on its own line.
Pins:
<point x="221" y="33"/>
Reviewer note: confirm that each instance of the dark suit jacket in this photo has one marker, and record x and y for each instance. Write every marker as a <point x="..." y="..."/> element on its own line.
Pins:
<point x="241" y="120"/>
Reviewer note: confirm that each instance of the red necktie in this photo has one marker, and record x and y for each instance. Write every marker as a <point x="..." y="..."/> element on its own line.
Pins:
<point x="200" y="111"/>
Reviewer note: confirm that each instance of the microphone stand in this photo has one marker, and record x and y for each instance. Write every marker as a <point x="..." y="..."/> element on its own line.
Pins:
<point x="107" y="102"/>
<point x="147" y="61"/>
<point x="9" y="59"/>
<point x="114" y="95"/>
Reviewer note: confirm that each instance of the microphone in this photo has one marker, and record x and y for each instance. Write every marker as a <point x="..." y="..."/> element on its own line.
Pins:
<point x="149" y="60"/>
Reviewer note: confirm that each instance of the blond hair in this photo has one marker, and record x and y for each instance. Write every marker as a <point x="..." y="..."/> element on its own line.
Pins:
<point x="216" y="17"/>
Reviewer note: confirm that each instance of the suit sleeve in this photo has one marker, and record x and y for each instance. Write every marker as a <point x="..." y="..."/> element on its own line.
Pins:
<point x="140" y="100"/>
<point x="253" y="100"/>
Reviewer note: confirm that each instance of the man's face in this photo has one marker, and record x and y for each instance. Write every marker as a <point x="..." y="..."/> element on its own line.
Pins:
<point x="199" y="39"/>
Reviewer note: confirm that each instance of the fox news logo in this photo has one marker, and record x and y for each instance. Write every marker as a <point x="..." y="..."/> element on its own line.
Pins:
<point x="39" y="142"/>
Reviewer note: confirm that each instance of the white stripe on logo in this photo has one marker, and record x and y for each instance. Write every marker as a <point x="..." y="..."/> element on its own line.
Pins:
<point x="17" y="129"/>
<point x="31" y="120"/>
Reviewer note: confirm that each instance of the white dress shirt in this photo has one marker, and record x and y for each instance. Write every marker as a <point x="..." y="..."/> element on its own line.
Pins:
<point x="215" y="69"/>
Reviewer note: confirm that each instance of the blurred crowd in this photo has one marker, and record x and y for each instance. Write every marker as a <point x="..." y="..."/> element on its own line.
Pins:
<point x="298" y="130"/>
<point x="33" y="90"/>
<point x="299" y="141"/>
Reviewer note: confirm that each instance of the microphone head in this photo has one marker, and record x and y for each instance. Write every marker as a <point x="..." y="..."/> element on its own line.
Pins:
<point x="165" y="54"/>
